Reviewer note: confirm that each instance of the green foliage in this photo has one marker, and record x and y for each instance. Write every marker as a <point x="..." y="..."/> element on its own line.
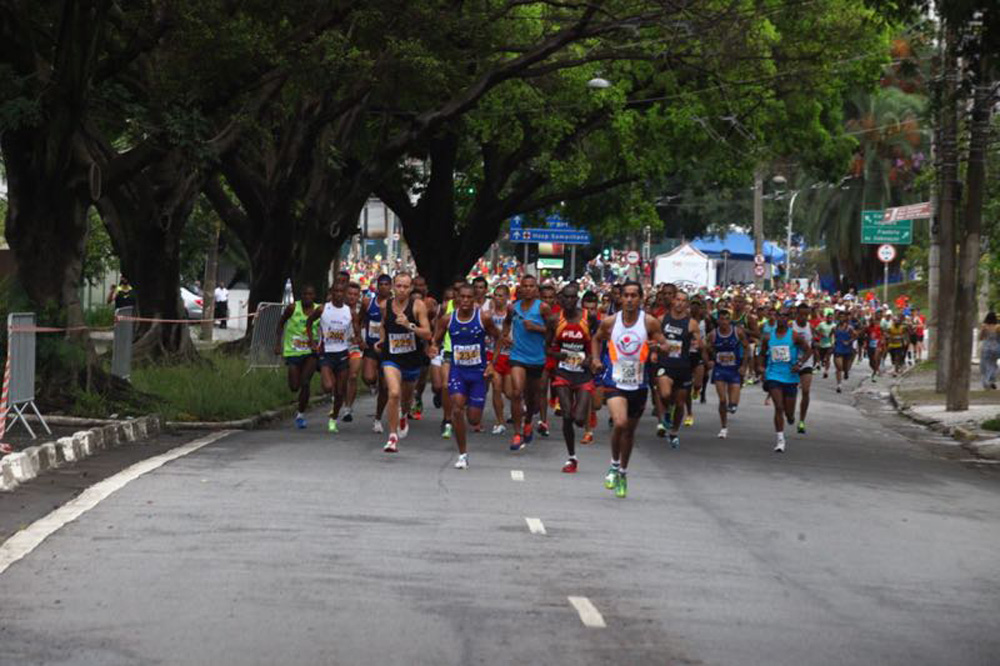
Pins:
<point x="99" y="258"/>
<point x="992" y="424"/>
<point x="102" y="316"/>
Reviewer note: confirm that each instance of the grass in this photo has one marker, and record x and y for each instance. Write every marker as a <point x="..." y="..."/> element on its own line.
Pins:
<point x="215" y="391"/>
<point x="992" y="424"/>
<point x="101" y="316"/>
<point x="915" y="289"/>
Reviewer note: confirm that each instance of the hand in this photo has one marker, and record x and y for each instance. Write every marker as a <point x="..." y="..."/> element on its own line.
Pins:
<point x="378" y="346"/>
<point x="596" y="367"/>
<point x="488" y="372"/>
<point x="277" y="349"/>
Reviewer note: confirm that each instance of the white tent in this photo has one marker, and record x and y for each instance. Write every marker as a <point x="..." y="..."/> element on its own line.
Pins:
<point x="687" y="267"/>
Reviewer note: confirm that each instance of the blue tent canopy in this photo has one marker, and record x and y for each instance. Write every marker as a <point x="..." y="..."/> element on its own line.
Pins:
<point x="740" y="247"/>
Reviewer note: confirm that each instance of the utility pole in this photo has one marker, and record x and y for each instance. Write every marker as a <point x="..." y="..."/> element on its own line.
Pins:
<point x="758" y="218"/>
<point x="208" y="282"/>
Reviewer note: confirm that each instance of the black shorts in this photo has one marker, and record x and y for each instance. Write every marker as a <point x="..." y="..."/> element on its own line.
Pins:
<point x="681" y="377"/>
<point x="337" y="361"/>
<point x="790" y="390"/>
<point x="533" y="371"/>
<point x="898" y="355"/>
<point x="696" y="360"/>
<point x="913" y="338"/>
<point x="807" y="371"/>
<point x="636" y="399"/>
<point x="371" y="353"/>
<point x="298" y="361"/>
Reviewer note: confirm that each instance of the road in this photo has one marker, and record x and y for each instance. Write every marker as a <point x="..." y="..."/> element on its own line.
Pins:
<point x="857" y="546"/>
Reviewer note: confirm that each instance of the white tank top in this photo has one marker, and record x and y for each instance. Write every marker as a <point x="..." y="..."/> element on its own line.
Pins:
<point x="335" y="325"/>
<point x="628" y="351"/>
<point x="806" y="333"/>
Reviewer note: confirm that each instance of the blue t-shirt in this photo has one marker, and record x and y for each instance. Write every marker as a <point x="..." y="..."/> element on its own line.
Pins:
<point x="782" y="354"/>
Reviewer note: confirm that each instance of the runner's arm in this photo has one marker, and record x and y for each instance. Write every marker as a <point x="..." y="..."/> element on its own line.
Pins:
<point x="309" y="326"/>
<point x="423" y="328"/>
<point x="285" y="316"/>
<point x="602" y="333"/>
<point x="654" y="331"/>
<point x="762" y="356"/>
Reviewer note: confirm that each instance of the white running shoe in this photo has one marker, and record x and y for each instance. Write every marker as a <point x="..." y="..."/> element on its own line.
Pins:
<point x="779" y="447"/>
<point x="377" y="427"/>
<point x="391" y="445"/>
<point x="499" y="429"/>
<point x="724" y="433"/>
<point x="404" y="427"/>
<point x="462" y="462"/>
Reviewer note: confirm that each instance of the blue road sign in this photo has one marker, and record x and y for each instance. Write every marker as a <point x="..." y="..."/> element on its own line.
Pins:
<point x="516" y="221"/>
<point x="556" y="222"/>
<point x="565" y="236"/>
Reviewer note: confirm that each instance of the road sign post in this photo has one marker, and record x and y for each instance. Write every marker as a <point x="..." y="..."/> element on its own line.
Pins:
<point x="886" y="254"/>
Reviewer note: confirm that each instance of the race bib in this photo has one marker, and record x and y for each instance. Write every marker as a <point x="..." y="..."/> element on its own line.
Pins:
<point x="467" y="354"/>
<point x="573" y="361"/>
<point x="300" y="343"/>
<point x="336" y="335"/>
<point x="374" y="329"/>
<point x="873" y="343"/>
<point x="402" y="343"/>
<point x="627" y="373"/>
<point x="725" y="358"/>
<point x="781" y="354"/>
<point x="675" y="348"/>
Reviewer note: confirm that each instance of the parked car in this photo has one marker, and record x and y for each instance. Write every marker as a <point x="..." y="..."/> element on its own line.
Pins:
<point x="193" y="304"/>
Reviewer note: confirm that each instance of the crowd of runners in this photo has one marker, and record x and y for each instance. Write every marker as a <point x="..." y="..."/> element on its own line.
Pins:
<point x="536" y="350"/>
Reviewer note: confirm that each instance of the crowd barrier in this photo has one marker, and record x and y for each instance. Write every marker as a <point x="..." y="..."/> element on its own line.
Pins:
<point x="18" y="394"/>
<point x="121" y="350"/>
<point x="265" y="336"/>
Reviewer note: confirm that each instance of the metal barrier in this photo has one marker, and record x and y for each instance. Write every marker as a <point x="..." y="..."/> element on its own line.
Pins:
<point x="121" y="351"/>
<point x="265" y="327"/>
<point x="19" y="379"/>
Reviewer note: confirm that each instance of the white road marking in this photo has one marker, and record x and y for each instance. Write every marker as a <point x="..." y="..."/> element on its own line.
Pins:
<point x="589" y="614"/>
<point x="535" y="525"/>
<point x="25" y="541"/>
<point x="980" y="461"/>
<point x="516" y="475"/>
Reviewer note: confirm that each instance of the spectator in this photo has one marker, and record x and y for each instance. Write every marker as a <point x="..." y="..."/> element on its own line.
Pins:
<point x="989" y="350"/>
<point x="122" y="294"/>
<point x="222" y="305"/>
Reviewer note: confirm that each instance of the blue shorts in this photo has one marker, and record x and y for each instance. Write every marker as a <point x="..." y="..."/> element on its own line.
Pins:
<point x="468" y="382"/>
<point x="409" y="374"/>
<point x="336" y="361"/>
<point x="789" y="390"/>
<point x="727" y="375"/>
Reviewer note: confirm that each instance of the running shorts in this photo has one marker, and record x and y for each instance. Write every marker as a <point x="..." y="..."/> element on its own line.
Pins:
<point x="409" y="374"/>
<point x="574" y="380"/>
<point x="298" y="361"/>
<point x="533" y="371"/>
<point x="727" y="375"/>
<point x="468" y="382"/>
<point x="682" y="377"/>
<point x="790" y="390"/>
<point x="636" y="399"/>
<point x="336" y="361"/>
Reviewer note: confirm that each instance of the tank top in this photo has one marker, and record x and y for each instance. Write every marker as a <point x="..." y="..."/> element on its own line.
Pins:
<point x="373" y="332"/>
<point x="628" y="350"/>
<point x="499" y="318"/>
<point x="842" y="341"/>
<point x="529" y="346"/>
<point x="728" y="350"/>
<point x="782" y="354"/>
<point x="448" y="309"/>
<point x="825" y="330"/>
<point x="468" y="342"/>
<point x="401" y="342"/>
<point x="896" y="336"/>
<point x="678" y="347"/>
<point x="335" y="327"/>
<point x="807" y="334"/>
<point x="573" y="340"/>
<point x="295" y="336"/>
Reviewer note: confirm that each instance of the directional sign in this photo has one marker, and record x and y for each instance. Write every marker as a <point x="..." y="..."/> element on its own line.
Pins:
<point x="567" y="236"/>
<point x="920" y="211"/>
<point x="875" y="230"/>
<point x="886" y="253"/>
<point x="516" y="221"/>
<point x="556" y="222"/>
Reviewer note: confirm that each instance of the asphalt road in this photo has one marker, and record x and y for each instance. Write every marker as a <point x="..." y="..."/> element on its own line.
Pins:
<point x="857" y="546"/>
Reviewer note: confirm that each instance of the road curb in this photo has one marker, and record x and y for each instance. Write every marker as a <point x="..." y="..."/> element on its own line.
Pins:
<point x="978" y="442"/>
<point x="251" y="423"/>
<point x="23" y="466"/>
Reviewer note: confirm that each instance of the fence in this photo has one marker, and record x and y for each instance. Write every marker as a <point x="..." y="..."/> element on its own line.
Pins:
<point x="121" y="350"/>
<point x="265" y="336"/>
<point x="19" y="374"/>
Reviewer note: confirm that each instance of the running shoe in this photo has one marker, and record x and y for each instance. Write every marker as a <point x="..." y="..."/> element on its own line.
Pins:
<point x="377" y="427"/>
<point x="780" y="446"/>
<point x="588" y="437"/>
<point x="556" y="407"/>
<point x="331" y="425"/>
<point x="825" y="374"/>
<point x="621" y="486"/>
<point x="802" y="427"/>
<point x="689" y="420"/>
<point x="417" y="414"/>
<point x="404" y="428"/>
<point x="873" y="378"/>
<point x="724" y="433"/>
<point x="695" y="394"/>
<point x="529" y="434"/>
<point x="477" y="428"/>
<point x="543" y="428"/>
<point x="570" y="466"/>
<point x="847" y="375"/>
<point x="300" y="422"/>
<point x="446" y="431"/>
<point x="392" y="446"/>
<point x="732" y="408"/>
<point x="499" y="429"/>
<point x="704" y="398"/>
<point x="437" y="400"/>
<point x="675" y="442"/>
<point x="593" y="420"/>
<point x="462" y="462"/>
<point x="838" y="388"/>
<point x="661" y="429"/>
<point x="348" y="415"/>
<point x="517" y="443"/>
<point x="611" y="478"/>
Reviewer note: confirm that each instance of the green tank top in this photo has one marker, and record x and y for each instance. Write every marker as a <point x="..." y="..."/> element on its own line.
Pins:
<point x="447" y="336"/>
<point x="295" y="336"/>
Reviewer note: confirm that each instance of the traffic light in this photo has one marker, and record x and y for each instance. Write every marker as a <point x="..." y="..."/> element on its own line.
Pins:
<point x="607" y="253"/>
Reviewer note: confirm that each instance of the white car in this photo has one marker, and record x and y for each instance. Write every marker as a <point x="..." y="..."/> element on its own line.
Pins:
<point x="193" y="304"/>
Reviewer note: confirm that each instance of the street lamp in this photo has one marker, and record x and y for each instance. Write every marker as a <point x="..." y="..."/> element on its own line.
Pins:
<point x="781" y="180"/>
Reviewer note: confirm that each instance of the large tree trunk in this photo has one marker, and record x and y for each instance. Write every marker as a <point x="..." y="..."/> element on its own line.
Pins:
<point x="965" y="293"/>
<point x="948" y="211"/>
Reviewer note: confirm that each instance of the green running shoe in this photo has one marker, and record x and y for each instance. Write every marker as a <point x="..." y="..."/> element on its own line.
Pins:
<point x="621" y="486"/>
<point x="802" y="427"/>
<point x="611" y="478"/>
<point x="446" y="431"/>
<point x="331" y="426"/>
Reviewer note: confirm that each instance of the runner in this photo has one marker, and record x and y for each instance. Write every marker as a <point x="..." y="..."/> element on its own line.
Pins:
<point x="468" y="328"/>
<point x="589" y="302"/>
<point x="697" y="363"/>
<point x="371" y="322"/>
<point x="781" y="353"/>
<point x="673" y="376"/>
<point x="405" y="322"/>
<point x="897" y="339"/>
<point x="526" y="322"/>
<point x="569" y="338"/>
<point x="727" y="354"/>
<point x="355" y="353"/>
<point x="801" y="327"/>
<point x="824" y="331"/>
<point x="875" y="344"/>
<point x="293" y="345"/>
<point x="547" y="293"/>
<point x="337" y="325"/>
<point x="420" y="291"/>
<point x="498" y="309"/>
<point x="844" y="336"/>
<point x="627" y="333"/>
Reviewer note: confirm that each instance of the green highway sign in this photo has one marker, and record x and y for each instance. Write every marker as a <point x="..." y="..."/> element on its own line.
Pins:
<point x="875" y="230"/>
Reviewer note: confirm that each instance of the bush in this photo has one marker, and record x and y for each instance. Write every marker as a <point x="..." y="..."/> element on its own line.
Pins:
<point x="992" y="424"/>
<point x="102" y="316"/>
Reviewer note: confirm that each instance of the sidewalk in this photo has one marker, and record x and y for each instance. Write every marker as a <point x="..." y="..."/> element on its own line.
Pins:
<point x="913" y="395"/>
